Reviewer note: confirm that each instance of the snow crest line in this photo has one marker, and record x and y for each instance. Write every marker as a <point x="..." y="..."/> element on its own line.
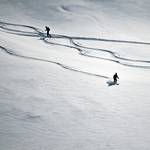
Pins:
<point x="49" y="61"/>
<point x="35" y="32"/>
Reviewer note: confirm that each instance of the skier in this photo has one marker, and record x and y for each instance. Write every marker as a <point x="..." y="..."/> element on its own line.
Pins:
<point x="47" y="30"/>
<point x="115" y="77"/>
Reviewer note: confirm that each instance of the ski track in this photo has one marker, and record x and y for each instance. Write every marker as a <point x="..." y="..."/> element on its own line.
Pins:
<point x="49" y="61"/>
<point x="81" y="52"/>
<point x="35" y="32"/>
<point x="111" y="52"/>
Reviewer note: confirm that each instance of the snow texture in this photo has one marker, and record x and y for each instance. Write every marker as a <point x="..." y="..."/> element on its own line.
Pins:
<point x="57" y="93"/>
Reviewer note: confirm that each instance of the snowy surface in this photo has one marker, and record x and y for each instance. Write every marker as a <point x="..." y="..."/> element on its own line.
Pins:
<point x="53" y="91"/>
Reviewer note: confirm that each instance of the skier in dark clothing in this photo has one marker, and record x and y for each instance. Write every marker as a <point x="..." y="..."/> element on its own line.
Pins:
<point x="47" y="30"/>
<point x="115" y="77"/>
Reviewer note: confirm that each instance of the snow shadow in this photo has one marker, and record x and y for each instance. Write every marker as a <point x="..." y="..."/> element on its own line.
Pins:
<point x="111" y="83"/>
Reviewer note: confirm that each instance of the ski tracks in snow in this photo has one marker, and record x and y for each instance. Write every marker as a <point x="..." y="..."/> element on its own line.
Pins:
<point x="30" y="31"/>
<point x="49" y="61"/>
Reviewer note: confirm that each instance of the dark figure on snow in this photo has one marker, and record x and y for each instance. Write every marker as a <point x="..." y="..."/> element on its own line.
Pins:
<point x="115" y="77"/>
<point x="47" y="30"/>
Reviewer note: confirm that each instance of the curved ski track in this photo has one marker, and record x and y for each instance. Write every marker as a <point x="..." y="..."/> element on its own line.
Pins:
<point x="35" y="32"/>
<point x="49" y="61"/>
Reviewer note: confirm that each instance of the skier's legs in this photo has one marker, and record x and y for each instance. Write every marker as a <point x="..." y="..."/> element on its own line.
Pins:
<point x="115" y="81"/>
<point x="48" y="35"/>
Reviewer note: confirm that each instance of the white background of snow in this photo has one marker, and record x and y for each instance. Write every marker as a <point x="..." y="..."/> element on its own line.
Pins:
<point x="44" y="106"/>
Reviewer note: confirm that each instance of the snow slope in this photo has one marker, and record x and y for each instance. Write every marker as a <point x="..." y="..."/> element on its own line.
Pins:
<point x="54" y="92"/>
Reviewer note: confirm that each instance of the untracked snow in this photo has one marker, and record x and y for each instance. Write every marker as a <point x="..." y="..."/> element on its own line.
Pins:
<point x="55" y="93"/>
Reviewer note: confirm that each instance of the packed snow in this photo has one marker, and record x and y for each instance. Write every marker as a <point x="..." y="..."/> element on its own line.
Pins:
<point x="57" y="93"/>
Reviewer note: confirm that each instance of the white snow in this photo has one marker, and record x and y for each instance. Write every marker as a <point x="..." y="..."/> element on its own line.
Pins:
<point x="53" y="91"/>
